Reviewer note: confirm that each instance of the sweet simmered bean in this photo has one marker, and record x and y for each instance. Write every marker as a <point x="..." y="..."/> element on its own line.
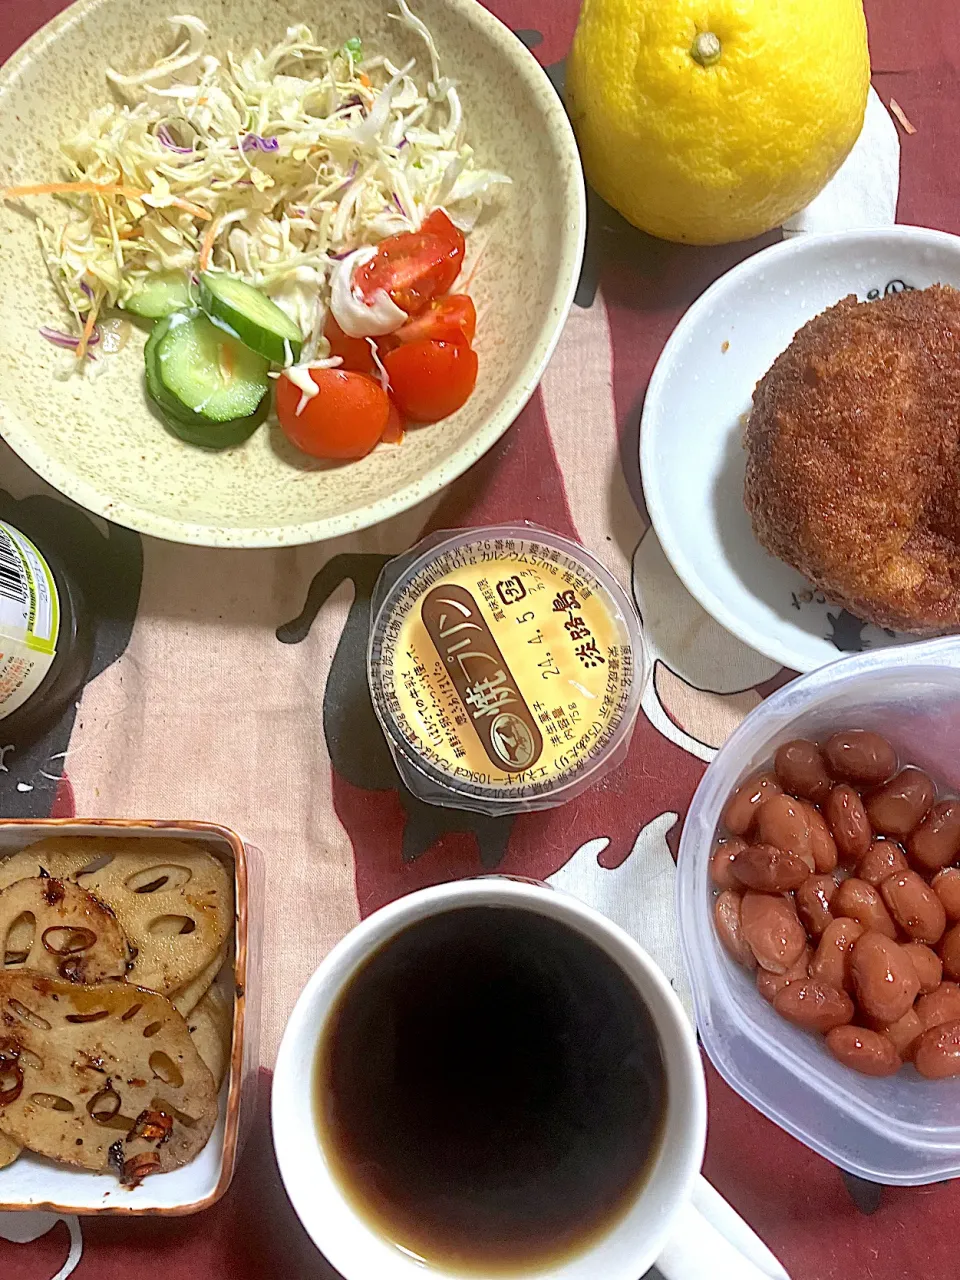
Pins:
<point x="937" y="1054"/>
<point x="901" y="805"/>
<point x="771" y="870"/>
<point x="831" y="960"/>
<point x="861" y="902"/>
<point x="771" y="984"/>
<point x="849" y="952"/>
<point x="775" y="935"/>
<point x="903" y="1034"/>
<point x="885" y="981"/>
<point x="942" y="1005"/>
<point x="822" y="844"/>
<point x="861" y="757"/>
<point x="814" y="1005"/>
<point x="869" y="1052"/>
<point x="741" y="808"/>
<point x="813" y="899"/>
<point x="914" y="906"/>
<point x="928" y="965"/>
<point x="950" y="953"/>
<point x="882" y="859"/>
<point x="726" y="917"/>
<point x="783" y="821"/>
<point x="801" y="771"/>
<point x="848" y="822"/>
<point x="721" y="871"/>
<point x="936" y="842"/>
<point x="946" y="885"/>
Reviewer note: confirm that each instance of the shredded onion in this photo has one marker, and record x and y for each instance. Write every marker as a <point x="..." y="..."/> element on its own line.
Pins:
<point x="67" y="340"/>
<point x="254" y="142"/>
<point x="165" y="138"/>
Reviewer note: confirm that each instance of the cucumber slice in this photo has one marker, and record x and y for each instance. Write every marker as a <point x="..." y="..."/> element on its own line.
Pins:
<point x="183" y="422"/>
<point x="160" y="295"/>
<point x="217" y="435"/>
<point x="205" y="371"/>
<point x="250" y="316"/>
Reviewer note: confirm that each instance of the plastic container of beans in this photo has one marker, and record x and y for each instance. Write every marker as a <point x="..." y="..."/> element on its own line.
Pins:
<point x="901" y="1129"/>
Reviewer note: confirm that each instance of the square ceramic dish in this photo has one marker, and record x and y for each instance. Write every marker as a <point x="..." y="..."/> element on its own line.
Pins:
<point x="33" y="1182"/>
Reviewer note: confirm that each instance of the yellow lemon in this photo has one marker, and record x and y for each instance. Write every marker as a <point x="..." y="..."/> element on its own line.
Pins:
<point x="708" y="121"/>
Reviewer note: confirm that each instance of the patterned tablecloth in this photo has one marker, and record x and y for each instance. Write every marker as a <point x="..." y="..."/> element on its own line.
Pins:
<point x="230" y="686"/>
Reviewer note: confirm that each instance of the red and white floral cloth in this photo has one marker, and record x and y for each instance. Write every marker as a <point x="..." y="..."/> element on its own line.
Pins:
<point x="197" y="709"/>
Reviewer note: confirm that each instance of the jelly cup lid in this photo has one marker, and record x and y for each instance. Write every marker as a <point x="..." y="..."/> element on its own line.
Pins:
<point x="506" y="667"/>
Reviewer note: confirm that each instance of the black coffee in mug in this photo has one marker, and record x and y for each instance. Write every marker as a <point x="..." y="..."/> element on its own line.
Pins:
<point x="490" y="1091"/>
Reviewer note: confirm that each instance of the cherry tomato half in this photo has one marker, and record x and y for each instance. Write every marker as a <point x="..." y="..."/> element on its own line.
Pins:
<point x="345" y="419"/>
<point x="354" y="352"/>
<point x="430" y="380"/>
<point x="393" y="431"/>
<point x="439" y="224"/>
<point x="449" y="319"/>
<point x="415" y="266"/>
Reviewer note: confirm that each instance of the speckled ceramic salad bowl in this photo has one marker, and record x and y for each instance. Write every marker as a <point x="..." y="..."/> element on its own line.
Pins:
<point x="99" y="442"/>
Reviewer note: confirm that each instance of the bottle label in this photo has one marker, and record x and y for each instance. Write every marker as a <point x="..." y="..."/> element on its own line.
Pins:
<point x="494" y="704"/>
<point x="29" y="619"/>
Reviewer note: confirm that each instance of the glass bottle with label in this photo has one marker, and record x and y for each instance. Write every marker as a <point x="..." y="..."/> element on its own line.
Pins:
<point x="46" y="642"/>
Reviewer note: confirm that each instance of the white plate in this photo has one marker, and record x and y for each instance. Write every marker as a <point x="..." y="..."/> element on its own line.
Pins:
<point x="690" y="451"/>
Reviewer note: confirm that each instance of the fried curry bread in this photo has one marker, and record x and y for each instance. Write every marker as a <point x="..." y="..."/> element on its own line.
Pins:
<point x="853" y="473"/>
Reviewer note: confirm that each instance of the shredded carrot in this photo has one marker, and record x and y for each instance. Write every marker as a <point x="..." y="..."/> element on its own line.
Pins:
<point x="207" y="247"/>
<point x="225" y="359"/>
<point x="132" y="233"/>
<point x="68" y="188"/>
<point x="87" y="331"/>
<point x="899" y="112"/>
<point x="95" y="189"/>
<point x="364" y="79"/>
<point x="203" y="214"/>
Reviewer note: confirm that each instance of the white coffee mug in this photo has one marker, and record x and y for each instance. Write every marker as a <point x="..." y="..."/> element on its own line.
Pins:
<point x="676" y="1220"/>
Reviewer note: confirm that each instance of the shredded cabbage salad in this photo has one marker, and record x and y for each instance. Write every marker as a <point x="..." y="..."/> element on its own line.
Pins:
<point x="280" y="167"/>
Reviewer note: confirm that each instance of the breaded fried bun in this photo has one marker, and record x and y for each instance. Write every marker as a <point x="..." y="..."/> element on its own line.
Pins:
<point x="853" y="473"/>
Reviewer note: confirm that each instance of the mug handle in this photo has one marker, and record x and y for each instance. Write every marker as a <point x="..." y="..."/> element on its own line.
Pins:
<point x="711" y="1239"/>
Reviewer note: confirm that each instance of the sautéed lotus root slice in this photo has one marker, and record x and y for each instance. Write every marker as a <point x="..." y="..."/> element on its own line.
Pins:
<point x="211" y="1028"/>
<point x="60" y="856"/>
<point x="9" y="1150"/>
<point x="188" y="997"/>
<point x="56" y="928"/>
<point x="103" y="1077"/>
<point x="173" y="899"/>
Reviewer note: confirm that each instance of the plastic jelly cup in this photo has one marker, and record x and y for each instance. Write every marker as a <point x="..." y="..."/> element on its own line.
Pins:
<point x="902" y="1129"/>
<point x="506" y="667"/>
